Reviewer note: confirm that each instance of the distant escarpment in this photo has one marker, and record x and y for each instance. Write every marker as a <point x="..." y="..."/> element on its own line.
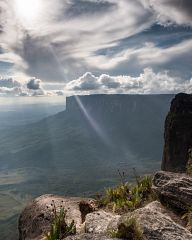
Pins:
<point x="93" y="130"/>
<point x="178" y="134"/>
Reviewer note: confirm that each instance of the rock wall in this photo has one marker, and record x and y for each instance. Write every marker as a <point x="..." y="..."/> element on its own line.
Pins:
<point x="178" y="134"/>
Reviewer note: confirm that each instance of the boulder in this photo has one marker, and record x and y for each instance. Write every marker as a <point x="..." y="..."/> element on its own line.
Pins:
<point x="157" y="206"/>
<point x="157" y="225"/>
<point x="36" y="218"/>
<point x="173" y="188"/>
<point x="98" y="222"/>
<point x="178" y="134"/>
<point x="88" y="236"/>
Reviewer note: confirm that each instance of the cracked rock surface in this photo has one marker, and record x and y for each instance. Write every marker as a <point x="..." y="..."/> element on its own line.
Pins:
<point x="174" y="189"/>
<point x="37" y="217"/>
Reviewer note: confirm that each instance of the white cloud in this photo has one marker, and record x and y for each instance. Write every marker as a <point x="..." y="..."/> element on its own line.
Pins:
<point x="177" y="59"/>
<point x="9" y="82"/>
<point x="66" y="42"/>
<point x="12" y="87"/>
<point x="86" y="82"/>
<point x="147" y="82"/>
<point x="16" y="91"/>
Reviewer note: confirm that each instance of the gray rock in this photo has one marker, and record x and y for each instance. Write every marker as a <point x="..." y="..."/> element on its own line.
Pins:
<point x="36" y="218"/>
<point x="157" y="225"/>
<point x="98" y="222"/>
<point x="174" y="189"/>
<point x="88" y="236"/>
<point x="157" y="206"/>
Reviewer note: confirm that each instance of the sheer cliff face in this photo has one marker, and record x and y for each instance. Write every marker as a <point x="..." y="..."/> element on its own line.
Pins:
<point x="178" y="134"/>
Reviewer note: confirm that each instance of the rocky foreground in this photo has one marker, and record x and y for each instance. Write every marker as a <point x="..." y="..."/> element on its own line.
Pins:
<point x="158" y="219"/>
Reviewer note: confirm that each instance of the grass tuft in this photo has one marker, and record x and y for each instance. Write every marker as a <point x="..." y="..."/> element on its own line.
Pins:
<point x="130" y="229"/>
<point x="188" y="217"/>
<point x="59" y="228"/>
<point x="125" y="197"/>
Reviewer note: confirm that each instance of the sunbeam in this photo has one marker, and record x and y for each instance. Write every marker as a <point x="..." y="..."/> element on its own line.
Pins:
<point x="93" y="123"/>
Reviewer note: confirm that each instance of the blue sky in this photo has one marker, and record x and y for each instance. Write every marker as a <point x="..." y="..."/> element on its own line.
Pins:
<point x="66" y="47"/>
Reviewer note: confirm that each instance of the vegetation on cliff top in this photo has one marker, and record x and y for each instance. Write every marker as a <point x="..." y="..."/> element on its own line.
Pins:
<point x="188" y="217"/>
<point x="126" y="197"/>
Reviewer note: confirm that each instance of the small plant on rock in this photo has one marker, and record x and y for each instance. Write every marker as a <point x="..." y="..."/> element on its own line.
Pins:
<point x="189" y="163"/>
<point x="59" y="228"/>
<point x="117" y="197"/>
<point x="129" y="229"/>
<point x="188" y="217"/>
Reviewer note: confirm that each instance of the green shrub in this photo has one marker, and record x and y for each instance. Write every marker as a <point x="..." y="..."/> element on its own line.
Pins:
<point x="188" y="217"/>
<point x="126" y="197"/>
<point x="59" y="228"/>
<point x="143" y="186"/>
<point x="189" y="164"/>
<point x="130" y="229"/>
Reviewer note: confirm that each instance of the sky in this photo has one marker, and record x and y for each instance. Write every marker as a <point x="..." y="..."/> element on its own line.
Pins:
<point x="66" y="47"/>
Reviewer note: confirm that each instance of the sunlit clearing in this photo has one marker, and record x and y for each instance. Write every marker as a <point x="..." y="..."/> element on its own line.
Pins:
<point x="28" y="11"/>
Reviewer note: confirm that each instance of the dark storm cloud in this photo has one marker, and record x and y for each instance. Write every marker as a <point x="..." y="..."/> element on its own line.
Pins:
<point x="40" y="58"/>
<point x="185" y="5"/>
<point x="34" y="84"/>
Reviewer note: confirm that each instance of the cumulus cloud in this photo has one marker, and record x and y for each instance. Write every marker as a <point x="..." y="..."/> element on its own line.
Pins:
<point x="34" y="84"/>
<point x="86" y="82"/>
<point x="11" y="87"/>
<point x="9" y="83"/>
<point x="147" y="82"/>
<point x="16" y="91"/>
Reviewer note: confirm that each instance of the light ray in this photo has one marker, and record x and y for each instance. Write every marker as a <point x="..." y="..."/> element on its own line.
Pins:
<point x="93" y="123"/>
